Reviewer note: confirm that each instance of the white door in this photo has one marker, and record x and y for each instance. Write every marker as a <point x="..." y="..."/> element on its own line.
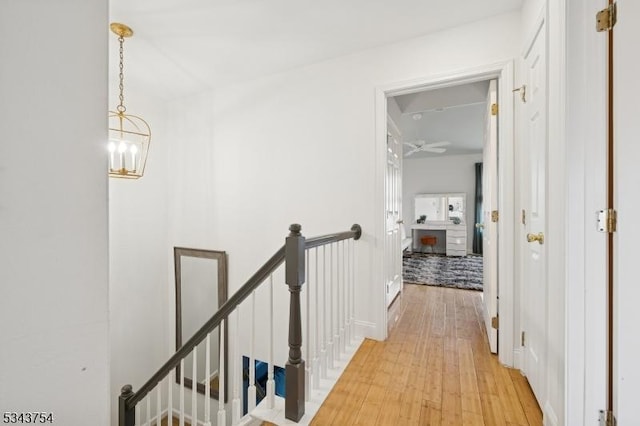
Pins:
<point x="627" y="202"/>
<point x="534" y="297"/>
<point x="393" y="203"/>
<point x="490" y="204"/>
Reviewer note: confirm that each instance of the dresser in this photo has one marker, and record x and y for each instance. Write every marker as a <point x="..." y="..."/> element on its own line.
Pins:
<point x="456" y="239"/>
<point x="455" y="236"/>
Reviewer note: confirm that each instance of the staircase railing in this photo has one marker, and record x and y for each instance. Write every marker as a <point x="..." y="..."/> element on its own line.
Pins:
<point x="332" y="314"/>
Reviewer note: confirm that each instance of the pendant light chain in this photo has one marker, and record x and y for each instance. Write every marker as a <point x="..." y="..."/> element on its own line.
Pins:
<point x="121" y="108"/>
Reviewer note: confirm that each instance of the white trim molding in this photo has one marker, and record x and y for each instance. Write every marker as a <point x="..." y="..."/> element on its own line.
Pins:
<point x="365" y="329"/>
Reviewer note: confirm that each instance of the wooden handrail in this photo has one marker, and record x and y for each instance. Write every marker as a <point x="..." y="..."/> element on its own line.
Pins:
<point x="355" y="233"/>
<point x="129" y="399"/>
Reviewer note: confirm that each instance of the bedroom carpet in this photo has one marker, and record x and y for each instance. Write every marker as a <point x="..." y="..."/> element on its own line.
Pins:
<point x="439" y="270"/>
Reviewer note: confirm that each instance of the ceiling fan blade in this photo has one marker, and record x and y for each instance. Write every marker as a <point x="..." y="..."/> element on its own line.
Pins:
<point x="434" y="150"/>
<point x="415" y="143"/>
<point x="436" y="144"/>
<point x="413" y="151"/>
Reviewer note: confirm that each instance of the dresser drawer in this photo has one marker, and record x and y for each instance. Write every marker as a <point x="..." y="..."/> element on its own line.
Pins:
<point x="456" y="252"/>
<point x="456" y="241"/>
<point x="457" y="232"/>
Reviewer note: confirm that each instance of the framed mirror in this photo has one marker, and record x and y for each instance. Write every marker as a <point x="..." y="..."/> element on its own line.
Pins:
<point x="201" y="288"/>
<point x="439" y="207"/>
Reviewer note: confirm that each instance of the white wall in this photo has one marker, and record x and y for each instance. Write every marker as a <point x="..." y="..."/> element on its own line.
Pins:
<point x="299" y="147"/>
<point x="141" y="281"/>
<point x="53" y="210"/>
<point x="450" y="173"/>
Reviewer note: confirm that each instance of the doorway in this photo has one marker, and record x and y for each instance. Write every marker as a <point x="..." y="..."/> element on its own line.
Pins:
<point x="446" y="136"/>
<point x="503" y="74"/>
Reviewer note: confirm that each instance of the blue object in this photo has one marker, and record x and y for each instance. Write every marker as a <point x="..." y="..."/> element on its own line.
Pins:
<point x="262" y="374"/>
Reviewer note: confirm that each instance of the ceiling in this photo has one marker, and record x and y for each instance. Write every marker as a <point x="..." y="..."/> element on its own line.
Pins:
<point x="454" y="114"/>
<point x="181" y="47"/>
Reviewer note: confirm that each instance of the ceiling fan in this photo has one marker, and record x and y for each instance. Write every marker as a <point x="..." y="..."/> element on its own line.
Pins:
<point x="422" y="146"/>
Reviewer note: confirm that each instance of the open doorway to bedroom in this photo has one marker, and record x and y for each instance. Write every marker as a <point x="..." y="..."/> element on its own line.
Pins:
<point x="444" y="141"/>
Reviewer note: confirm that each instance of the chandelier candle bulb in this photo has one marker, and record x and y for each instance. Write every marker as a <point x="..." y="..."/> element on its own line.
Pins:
<point x="134" y="151"/>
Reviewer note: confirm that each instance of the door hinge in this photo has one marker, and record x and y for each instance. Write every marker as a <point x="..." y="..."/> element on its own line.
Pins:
<point x="607" y="220"/>
<point x="607" y="418"/>
<point x="495" y="216"/>
<point x="524" y="217"/>
<point x="494" y="109"/>
<point x="495" y="322"/>
<point x="606" y="19"/>
<point x="522" y="339"/>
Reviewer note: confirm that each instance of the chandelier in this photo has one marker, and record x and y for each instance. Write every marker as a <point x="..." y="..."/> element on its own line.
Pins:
<point x="129" y="135"/>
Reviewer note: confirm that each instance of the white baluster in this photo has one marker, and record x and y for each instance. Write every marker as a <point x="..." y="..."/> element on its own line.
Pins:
<point x="343" y="300"/>
<point x="148" y="419"/>
<point x="325" y="318"/>
<point x="221" y="413"/>
<point x="137" y="414"/>
<point x="338" y="339"/>
<point x="271" y="383"/>
<point x="353" y="290"/>
<point x="158" y="404"/>
<point x="316" y="346"/>
<point x="170" y="398"/>
<point x="207" y="383"/>
<point x="338" y="284"/>
<point x="182" y="392"/>
<point x="307" y="337"/>
<point x="330" y="350"/>
<point x="335" y="302"/>
<point x="251" y="390"/>
<point x="237" y="371"/>
<point x="348" y="336"/>
<point x="194" y="387"/>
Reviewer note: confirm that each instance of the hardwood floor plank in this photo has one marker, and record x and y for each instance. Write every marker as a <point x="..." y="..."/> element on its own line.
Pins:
<point x="514" y="412"/>
<point x="527" y="399"/>
<point x="435" y="369"/>
<point x="472" y="419"/>
<point x="430" y="415"/>
<point x="470" y="396"/>
<point x="390" y="410"/>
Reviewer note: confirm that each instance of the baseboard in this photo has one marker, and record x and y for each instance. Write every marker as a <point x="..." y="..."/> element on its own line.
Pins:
<point x="518" y="356"/>
<point x="366" y="329"/>
<point x="549" y="417"/>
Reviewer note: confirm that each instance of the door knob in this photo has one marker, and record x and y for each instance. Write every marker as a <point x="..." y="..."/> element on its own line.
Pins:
<point x="480" y="225"/>
<point x="400" y="221"/>
<point x="539" y="237"/>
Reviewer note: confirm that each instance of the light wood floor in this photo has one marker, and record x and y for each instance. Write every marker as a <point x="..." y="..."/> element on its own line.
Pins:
<point x="434" y="369"/>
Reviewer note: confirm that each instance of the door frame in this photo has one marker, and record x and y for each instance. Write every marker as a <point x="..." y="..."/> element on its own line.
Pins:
<point x="504" y="72"/>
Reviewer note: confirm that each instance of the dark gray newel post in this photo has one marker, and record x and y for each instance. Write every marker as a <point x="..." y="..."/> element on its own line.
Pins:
<point x="126" y="416"/>
<point x="294" y="369"/>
